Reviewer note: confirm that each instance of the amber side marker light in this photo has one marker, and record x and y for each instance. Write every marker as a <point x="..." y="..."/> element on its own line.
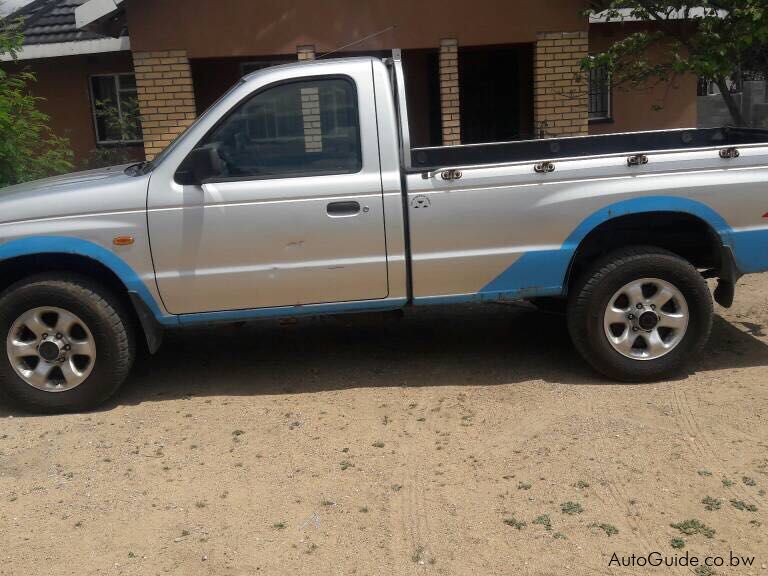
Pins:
<point x="123" y="240"/>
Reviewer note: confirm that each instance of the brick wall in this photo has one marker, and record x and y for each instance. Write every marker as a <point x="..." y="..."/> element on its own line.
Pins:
<point x="449" y="92"/>
<point x="305" y="52"/>
<point x="166" y="97"/>
<point x="560" y="91"/>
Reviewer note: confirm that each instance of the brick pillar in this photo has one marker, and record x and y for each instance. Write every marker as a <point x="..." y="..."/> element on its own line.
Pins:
<point x="305" y="52"/>
<point x="449" y="91"/>
<point x="166" y="97"/>
<point x="310" y="112"/>
<point x="560" y="90"/>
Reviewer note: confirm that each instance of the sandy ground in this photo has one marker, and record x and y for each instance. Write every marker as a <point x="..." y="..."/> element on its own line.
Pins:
<point x="447" y="442"/>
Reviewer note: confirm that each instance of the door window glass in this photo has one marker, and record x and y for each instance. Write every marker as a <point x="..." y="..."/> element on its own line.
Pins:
<point x="296" y="129"/>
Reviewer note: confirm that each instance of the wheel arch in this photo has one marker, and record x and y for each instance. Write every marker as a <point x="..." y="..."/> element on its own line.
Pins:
<point x="685" y="227"/>
<point x="27" y="257"/>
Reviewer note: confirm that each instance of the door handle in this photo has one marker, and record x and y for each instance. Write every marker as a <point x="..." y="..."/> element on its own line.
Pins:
<point x="347" y="208"/>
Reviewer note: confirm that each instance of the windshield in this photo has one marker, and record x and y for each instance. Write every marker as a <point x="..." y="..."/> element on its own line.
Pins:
<point x="149" y="166"/>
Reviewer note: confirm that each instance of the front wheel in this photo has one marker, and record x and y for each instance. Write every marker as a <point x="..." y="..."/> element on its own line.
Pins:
<point x="68" y="344"/>
<point x="640" y="314"/>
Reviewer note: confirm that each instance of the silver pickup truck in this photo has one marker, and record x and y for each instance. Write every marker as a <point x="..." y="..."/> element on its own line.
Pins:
<point x="298" y="193"/>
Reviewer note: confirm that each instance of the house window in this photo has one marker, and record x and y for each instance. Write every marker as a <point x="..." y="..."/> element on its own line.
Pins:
<point x="599" y="94"/>
<point x="115" y="107"/>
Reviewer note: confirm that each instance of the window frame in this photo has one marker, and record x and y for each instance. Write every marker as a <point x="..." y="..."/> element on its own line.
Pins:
<point x="608" y="117"/>
<point x="255" y="93"/>
<point x="115" y="77"/>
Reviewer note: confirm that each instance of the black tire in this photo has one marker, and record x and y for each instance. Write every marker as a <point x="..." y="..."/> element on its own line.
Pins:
<point x="593" y="291"/>
<point x="104" y="316"/>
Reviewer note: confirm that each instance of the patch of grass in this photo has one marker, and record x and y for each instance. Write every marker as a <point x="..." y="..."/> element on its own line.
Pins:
<point x="581" y="484"/>
<point x="677" y="543"/>
<point x="559" y="536"/>
<point x="704" y="473"/>
<point x="311" y="548"/>
<point x="703" y="571"/>
<point x="571" y="508"/>
<point x="237" y="432"/>
<point x="523" y="486"/>
<point x="711" y="504"/>
<point x="396" y="487"/>
<point x="727" y="482"/>
<point x="609" y="529"/>
<point x="364" y="509"/>
<point x="748" y="481"/>
<point x="279" y="525"/>
<point x="743" y="506"/>
<point x="344" y="464"/>
<point x="418" y="555"/>
<point x="543" y="520"/>
<point x="378" y="444"/>
<point x="756" y="523"/>
<point x="327" y="502"/>
<point x="694" y="526"/>
<point x="514" y="522"/>
<point x="201" y="504"/>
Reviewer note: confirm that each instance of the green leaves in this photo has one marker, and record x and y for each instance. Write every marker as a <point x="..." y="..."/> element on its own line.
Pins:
<point x="28" y="148"/>
<point x="712" y="40"/>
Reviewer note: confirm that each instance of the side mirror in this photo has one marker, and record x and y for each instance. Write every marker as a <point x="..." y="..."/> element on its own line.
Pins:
<point x="201" y="165"/>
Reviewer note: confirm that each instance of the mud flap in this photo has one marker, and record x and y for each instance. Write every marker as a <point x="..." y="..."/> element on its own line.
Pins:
<point x="152" y="329"/>
<point x="728" y="276"/>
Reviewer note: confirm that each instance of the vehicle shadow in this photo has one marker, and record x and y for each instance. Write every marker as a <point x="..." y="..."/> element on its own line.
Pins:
<point x="481" y="345"/>
<point x="475" y="345"/>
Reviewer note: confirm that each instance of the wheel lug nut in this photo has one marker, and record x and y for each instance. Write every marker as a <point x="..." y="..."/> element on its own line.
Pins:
<point x="653" y="306"/>
<point x="45" y="335"/>
<point x="59" y="336"/>
<point x="631" y="317"/>
<point x="634" y="328"/>
<point x="67" y="347"/>
<point x="639" y="306"/>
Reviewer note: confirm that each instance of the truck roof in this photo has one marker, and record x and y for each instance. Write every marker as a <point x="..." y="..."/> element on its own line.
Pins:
<point x="303" y="63"/>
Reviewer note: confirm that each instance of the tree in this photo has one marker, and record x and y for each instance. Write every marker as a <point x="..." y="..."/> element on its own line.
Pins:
<point x="713" y="39"/>
<point x="28" y="148"/>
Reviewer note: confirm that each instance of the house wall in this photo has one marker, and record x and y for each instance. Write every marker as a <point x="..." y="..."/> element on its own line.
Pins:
<point x="246" y="28"/>
<point x="752" y="100"/>
<point x="653" y="107"/>
<point x="243" y="28"/>
<point x="63" y="84"/>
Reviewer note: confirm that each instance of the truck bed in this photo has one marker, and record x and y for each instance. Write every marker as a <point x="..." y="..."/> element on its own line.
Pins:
<point x="583" y="146"/>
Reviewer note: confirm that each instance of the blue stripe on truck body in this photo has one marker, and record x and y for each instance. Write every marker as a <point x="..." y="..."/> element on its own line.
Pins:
<point x="537" y="273"/>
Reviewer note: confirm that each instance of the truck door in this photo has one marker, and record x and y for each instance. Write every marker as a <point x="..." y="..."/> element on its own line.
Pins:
<point x="295" y="216"/>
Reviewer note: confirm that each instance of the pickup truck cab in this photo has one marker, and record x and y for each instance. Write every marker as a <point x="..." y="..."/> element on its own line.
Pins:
<point x="298" y="193"/>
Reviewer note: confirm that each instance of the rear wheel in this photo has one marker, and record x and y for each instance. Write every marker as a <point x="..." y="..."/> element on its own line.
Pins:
<point x="639" y="314"/>
<point x="68" y="344"/>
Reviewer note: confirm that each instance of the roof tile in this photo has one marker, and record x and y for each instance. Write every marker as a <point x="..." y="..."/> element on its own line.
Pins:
<point x="51" y="21"/>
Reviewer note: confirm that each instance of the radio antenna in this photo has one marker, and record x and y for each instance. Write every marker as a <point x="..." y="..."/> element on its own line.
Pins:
<point x="356" y="42"/>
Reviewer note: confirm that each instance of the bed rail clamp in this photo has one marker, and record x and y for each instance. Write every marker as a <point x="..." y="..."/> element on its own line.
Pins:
<point x="637" y="160"/>
<point x="447" y="175"/>
<point x="728" y="153"/>
<point x="544" y="167"/>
